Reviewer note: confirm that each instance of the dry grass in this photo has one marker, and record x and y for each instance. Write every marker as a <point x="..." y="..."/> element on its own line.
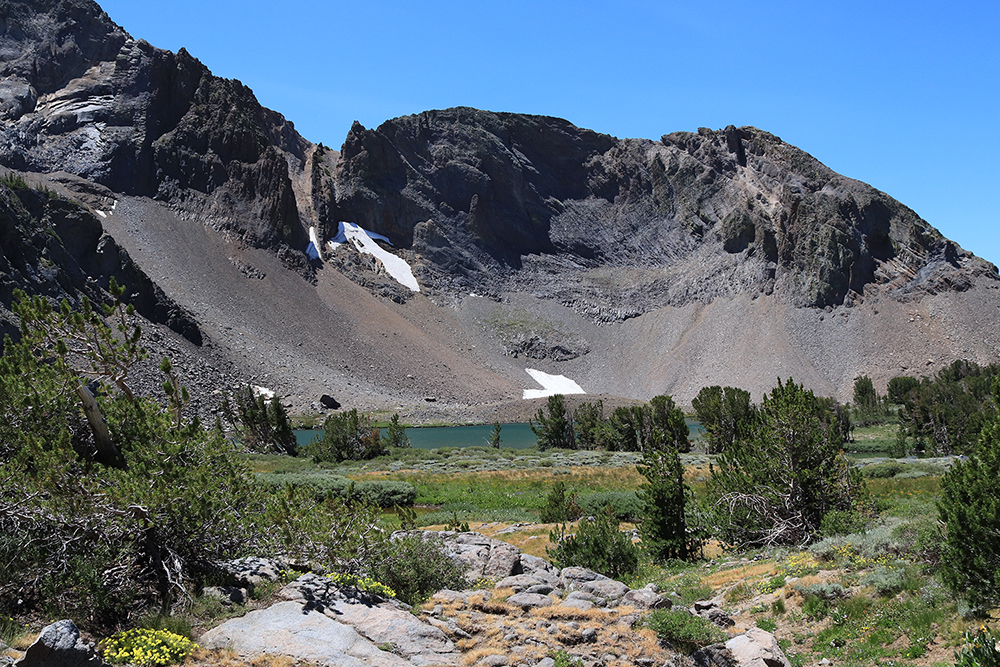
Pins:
<point x="477" y="654"/>
<point x="201" y="657"/>
<point x="725" y="577"/>
<point x="22" y="642"/>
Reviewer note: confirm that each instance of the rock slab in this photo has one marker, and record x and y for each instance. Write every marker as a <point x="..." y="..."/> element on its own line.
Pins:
<point x="289" y="629"/>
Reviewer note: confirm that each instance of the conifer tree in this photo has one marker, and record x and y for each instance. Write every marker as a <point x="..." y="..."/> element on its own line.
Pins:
<point x="664" y="528"/>
<point x="395" y="435"/>
<point x="554" y="427"/>
<point x="970" y="509"/>
<point x="776" y="485"/>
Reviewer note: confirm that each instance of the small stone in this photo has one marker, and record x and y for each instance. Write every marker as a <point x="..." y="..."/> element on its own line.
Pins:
<point x="589" y="635"/>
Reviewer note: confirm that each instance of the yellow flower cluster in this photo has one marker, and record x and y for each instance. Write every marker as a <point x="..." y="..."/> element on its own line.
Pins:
<point x="362" y="584"/>
<point x="147" y="648"/>
<point x="846" y="553"/>
<point x="799" y="565"/>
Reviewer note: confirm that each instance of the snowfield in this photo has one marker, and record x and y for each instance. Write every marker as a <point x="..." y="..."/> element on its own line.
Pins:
<point x="553" y="384"/>
<point x="364" y="241"/>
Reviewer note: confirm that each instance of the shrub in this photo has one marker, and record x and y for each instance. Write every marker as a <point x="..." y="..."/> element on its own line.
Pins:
<point x="347" y="437"/>
<point x="822" y="591"/>
<point x="981" y="649"/>
<point x="597" y="545"/>
<point x="767" y="624"/>
<point x="363" y="584"/>
<point x="842" y="522"/>
<point x="380" y="493"/>
<point x="884" y="470"/>
<point x="886" y="580"/>
<point x="921" y="538"/>
<point x="815" y="607"/>
<point x="262" y="425"/>
<point x="560" y="658"/>
<point x="415" y="567"/>
<point x="100" y="519"/>
<point x="145" y="648"/>
<point x="625" y="505"/>
<point x="683" y="631"/>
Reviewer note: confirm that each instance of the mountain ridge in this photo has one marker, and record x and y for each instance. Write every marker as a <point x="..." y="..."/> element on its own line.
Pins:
<point x="634" y="266"/>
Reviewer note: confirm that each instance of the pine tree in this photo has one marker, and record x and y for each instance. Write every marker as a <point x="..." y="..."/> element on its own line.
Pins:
<point x="664" y="527"/>
<point x="970" y="508"/>
<point x="395" y="435"/>
<point x="776" y="485"/>
<point x="554" y="426"/>
<point x="494" y="440"/>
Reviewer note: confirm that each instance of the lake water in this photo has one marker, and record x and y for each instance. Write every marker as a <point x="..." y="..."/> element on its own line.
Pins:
<point x="512" y="436"/>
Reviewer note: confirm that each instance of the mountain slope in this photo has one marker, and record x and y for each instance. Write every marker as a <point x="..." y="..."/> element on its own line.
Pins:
<point x="633" y="266"/>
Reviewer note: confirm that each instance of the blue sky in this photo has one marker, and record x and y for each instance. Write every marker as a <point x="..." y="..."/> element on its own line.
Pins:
<point x="902" y="95"/>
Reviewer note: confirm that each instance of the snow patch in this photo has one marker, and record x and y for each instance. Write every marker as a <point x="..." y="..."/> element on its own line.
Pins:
<point x="552" y="385"/>
<point x="364" y="241"/>
<point x="312" y="250"/>
<point x="262" y="391"/>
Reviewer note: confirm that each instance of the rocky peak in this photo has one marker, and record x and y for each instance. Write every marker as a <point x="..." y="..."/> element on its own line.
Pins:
<point x="492" y="202"/>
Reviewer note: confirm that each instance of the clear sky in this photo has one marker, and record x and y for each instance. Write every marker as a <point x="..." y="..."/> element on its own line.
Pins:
<point x="902" y="95"/>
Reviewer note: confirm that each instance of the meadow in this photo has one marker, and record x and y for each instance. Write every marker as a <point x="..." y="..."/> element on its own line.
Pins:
<point x="868" y="595"/>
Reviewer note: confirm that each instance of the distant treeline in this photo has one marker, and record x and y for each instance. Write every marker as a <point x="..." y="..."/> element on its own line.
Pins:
<point x="944" y="414"/>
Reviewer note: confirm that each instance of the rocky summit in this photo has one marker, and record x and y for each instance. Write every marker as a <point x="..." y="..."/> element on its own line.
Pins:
<point x="633" y="267"/>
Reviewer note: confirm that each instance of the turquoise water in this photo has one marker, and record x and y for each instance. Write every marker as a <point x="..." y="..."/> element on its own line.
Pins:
<point x="512" y="436"/>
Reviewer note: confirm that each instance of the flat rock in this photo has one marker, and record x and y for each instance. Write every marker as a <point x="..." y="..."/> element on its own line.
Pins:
<point x="572" y="577"/>
<point x="530" y="600"/>
<point x="519" y="582"/>
<point x="575" y="603"/>
<point x="289" y="629"/>
<point x="447" y="596"/>
<point x="757" y="648"/>
<point x="608" y="589"/>
<point x="418" y="642"/>
<point x="253" y="570"/>
<point x="645" y="598"/>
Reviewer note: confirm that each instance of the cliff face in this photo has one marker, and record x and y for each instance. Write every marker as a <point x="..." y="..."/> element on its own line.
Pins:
<point x="490" y="201"/>
<point x="80" y="95"/>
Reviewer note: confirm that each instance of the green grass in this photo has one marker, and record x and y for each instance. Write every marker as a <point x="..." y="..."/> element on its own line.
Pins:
<point x="870" y="597"/>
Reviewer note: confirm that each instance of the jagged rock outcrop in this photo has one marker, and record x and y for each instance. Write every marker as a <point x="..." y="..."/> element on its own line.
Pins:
<point x="494" y="201"/>
<point x="80" y="95"/>
<point x="520" y="619"/>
